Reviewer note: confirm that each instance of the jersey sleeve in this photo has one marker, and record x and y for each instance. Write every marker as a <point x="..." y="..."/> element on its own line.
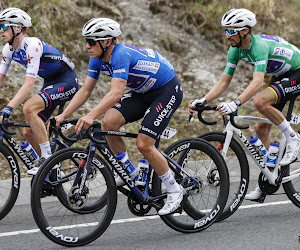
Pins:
<point x="121" y="65"/>
<point x="5" y="60"/>
<point x="232" y="61"/>
<point x="94" y="68"/>
<point x="34" y="54"/>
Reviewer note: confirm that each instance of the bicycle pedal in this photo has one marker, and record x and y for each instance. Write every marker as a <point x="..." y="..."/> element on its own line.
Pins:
<point x="261" y="199"/>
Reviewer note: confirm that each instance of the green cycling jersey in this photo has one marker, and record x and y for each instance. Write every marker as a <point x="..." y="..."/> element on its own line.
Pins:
<point x="268" y="54"/>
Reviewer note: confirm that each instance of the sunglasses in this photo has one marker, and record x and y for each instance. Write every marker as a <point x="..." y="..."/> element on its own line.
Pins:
<point x="5" y="26"/>
<point x="232" y="31"/>
<point x="93" y="41"/>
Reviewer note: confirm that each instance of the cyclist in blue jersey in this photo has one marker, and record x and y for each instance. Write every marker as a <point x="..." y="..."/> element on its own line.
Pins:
<point x="268" y="54"/>
<point x="155" y="93"/>
<point x="39" y="58"/>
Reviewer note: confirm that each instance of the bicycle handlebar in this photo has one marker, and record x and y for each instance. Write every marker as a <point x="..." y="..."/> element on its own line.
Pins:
<point x="96" y="125"/>
<point x="65" y="138"/>
<point x="7" y="124"/>
<point x="200" y="110"/>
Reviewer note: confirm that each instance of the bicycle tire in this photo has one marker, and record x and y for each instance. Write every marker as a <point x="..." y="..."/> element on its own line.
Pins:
<point x="238" y="169"/>
<point x="57" y="221"/>
<point x="10" y="180"/>
<point x="200" y="208"/>
<point x="292" y="188"/>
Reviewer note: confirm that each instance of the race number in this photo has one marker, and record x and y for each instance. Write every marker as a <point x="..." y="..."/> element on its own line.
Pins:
<point x="295" y="118"/>
<point x="168" y="133"/>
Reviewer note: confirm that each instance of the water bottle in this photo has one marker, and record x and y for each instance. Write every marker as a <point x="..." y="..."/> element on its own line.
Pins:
<point x="272" y="155"/>
<point x="30" y="152"/>
<point x="258" y="145"/>
<point x="126" y="163"/>
<point x="143" y="167"/>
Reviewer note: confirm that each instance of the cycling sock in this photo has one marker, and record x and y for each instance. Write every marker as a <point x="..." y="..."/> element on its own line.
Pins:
<point x="170" y="183"/>
<point x="287" y="130"/>
<point x="45" y="150"/>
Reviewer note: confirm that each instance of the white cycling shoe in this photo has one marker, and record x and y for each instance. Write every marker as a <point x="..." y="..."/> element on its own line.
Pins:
<point x="120" y="182"/>
<point x="291" y="152"/>
<point x="254" y="195"/>
<point x="172" y="203"/>
<point x="35" y="169"/>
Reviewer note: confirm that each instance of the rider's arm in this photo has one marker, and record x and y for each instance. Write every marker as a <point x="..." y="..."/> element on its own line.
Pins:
<point x="255" y="85"/>
<point x="23" y="92"/>
<point x="219" y="87"/>
<point x="80" y="97"/>
<point x="1" y="79"/>
<point x="115" y="93"/>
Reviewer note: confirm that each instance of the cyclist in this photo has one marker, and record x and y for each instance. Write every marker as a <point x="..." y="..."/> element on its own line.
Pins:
<point x="268" y="54"/>
<point x="154" y="96"/>
<point x="39" y="58"/>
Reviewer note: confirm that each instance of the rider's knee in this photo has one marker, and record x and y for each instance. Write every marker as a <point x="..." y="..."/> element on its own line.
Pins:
<point x="144" y="147"/>
<point x="112" y="121"/>
<point x="258" y="103"/>
<point x="27" y="109"/>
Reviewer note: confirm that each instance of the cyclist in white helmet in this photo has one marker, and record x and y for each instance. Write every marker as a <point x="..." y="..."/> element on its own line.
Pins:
<point x="154" y="96"/>
<point x="39" y="58"/>
<point x="268" y="54"/>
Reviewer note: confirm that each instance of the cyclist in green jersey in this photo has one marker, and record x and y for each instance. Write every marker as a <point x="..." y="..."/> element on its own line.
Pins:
<point x="268" y="54"/>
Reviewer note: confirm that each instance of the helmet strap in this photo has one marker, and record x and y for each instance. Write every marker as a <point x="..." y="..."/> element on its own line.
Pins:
<point x="242" y="38"/>
<point x="14" y="35"/>
<point x="103" y="49"/>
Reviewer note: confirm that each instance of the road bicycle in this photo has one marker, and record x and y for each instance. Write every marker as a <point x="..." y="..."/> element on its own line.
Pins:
<point x="233" y="150"/>
<point x="10" y="177"/>
<point x="65" y="224"/>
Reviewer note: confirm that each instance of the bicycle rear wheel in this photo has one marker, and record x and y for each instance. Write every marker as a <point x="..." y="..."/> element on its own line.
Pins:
<point x="238" y="169"/>
<point x="62" y="220"/>
<point x="202" y="205"/>
<point x="9" y="180"/>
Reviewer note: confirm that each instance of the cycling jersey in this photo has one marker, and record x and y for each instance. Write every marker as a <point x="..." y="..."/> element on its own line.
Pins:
<point x="38" y="57"/>
<point x="268" y="54"/>
<point x="143" y="69"/>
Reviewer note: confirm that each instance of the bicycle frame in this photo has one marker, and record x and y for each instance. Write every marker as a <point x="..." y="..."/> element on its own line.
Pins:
<point x="272" y="176"/>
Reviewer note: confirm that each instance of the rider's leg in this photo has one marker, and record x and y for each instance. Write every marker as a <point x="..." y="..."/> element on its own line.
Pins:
<point x="263" y="102"/>
<point x="113" y="120"/>
<point x="38" y="133"/>
<point x="145" y="145"/>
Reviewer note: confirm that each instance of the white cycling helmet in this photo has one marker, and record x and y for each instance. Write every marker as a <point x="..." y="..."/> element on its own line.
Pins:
<point x="101" y="27"/>
<point x="15" y="15"/>
<point x="238" y="18"/>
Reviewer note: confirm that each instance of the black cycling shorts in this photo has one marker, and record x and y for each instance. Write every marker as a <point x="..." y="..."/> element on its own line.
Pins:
<point x="285" y="88"/>
<point x="155" y="107"/>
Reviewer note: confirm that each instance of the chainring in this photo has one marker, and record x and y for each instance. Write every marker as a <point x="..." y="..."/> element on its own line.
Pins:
<point x="265" y="186"/>
<point x="136" y="207"/>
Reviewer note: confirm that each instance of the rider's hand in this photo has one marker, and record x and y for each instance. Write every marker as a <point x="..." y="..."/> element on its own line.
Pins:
<point x="59" y="119"/>
<point x="194" y="103"/>
<point x="83" y="123"/>
<point x="227" y="108"/>
<point x="5" y="113"/>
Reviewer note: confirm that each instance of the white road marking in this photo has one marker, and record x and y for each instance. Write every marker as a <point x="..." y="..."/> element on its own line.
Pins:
<point x="31" y="231"/>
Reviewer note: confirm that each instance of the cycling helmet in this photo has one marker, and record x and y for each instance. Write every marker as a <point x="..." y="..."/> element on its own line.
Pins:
<point x="238" y="18"/>
<point x="101" y="27"/>
<point x="15" y="15"/>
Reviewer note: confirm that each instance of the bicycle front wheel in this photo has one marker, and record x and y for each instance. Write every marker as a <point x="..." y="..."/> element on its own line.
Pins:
<point x="201" y="205"/>
<point x="61" y="218"/>
<point x="238" y="169"/>
<point x="9" y="180"/>
<point x="292" y="188"/>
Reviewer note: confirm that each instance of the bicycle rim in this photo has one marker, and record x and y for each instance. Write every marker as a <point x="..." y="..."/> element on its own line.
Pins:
<point x="9" y="180"/>
<point x="63" y="222"/>
<point x="292" y="188"/>
<point x="238" y="169"/>
<point x="202" y="205"/>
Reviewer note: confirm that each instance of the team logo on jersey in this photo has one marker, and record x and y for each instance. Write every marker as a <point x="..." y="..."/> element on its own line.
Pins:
<point x="148" y="66"/>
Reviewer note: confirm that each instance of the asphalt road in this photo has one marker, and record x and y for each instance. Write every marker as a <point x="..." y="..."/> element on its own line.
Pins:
<point x="274" y="224"/>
